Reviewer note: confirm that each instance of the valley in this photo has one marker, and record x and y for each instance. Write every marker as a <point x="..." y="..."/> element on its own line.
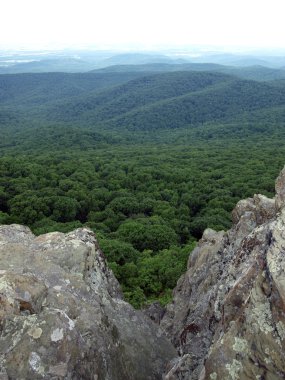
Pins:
<point x="146" y="155"/>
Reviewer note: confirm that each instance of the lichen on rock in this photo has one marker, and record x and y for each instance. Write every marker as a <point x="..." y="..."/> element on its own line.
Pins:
<point x="234" y="291"/>
<point x="62" y="315"/>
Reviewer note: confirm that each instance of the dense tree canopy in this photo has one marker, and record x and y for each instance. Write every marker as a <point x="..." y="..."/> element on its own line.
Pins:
<point x="148" y="195"/>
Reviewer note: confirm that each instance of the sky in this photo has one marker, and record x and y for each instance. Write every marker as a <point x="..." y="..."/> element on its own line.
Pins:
<point x="39" y="24"/>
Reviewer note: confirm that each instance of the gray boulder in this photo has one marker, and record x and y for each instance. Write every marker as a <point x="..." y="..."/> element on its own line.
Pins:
<point x="62" y="315"/>
<point x="227" y="318"/>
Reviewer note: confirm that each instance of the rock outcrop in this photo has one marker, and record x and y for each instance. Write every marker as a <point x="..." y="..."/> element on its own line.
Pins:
<point x="62" y="315"/>
<point x="227" y="318"/>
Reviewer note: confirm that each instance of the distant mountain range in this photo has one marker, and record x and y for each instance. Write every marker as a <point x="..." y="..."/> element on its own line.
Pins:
<point x="258" y="73"/>
<point x="139" y="100"/>
<point x="170" y="100"/>
<point x="82" y="61"/>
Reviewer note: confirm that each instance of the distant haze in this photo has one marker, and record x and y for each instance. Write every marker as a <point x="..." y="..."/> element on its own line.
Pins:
<point x="148" y="24"/>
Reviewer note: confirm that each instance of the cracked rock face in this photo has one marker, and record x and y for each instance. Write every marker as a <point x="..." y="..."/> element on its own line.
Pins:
<point x="62" y="315"/>
<point x="228" y="315"/>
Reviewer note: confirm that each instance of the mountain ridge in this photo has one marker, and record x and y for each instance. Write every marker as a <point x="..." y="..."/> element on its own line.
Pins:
<point x="81" y="102"/>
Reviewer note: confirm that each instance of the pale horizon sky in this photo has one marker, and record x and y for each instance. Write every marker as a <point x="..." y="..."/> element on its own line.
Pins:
<point x="38" y="24"/>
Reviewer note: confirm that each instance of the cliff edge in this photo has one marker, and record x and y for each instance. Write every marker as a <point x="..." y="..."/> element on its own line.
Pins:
<point x="62" y="315"/>
<point x="227" y="318"/>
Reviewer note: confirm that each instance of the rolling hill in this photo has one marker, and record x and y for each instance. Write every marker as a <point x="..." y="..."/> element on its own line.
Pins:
<point x="257" y="72"/>
<point x="40" y="88"/>
<point x="170" y="100"/>
<point x="136" y="101"/>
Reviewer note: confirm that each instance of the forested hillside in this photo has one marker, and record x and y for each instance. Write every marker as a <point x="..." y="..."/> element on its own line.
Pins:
<point x="252" y="72"/>
<point x="35" y="89"/>
<point x="147" y="160"/>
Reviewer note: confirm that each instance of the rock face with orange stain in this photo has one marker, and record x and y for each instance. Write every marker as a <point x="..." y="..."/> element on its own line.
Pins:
<point x="227" y="318"/>
<point x="62" y="315"/>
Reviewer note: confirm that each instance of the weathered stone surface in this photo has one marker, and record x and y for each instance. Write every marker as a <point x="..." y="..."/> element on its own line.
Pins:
<point x="261" y="207"/>
<point x="62" y="315"/>
<point x="154" y="311"/>
<point x="228" y="315"/>
<point x="280" y="191"/>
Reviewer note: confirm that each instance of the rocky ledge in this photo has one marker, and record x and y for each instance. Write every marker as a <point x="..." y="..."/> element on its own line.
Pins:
<point x="62" y="315"/>
<point x="228" y="315"/>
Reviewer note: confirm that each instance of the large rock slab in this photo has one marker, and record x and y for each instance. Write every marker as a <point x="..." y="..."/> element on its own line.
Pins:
<point x="227" y="318"/>
<point x="62" y="315"/>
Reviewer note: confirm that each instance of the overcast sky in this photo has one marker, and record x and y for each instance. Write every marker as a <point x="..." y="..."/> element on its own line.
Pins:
<point x="147" y="23"/>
